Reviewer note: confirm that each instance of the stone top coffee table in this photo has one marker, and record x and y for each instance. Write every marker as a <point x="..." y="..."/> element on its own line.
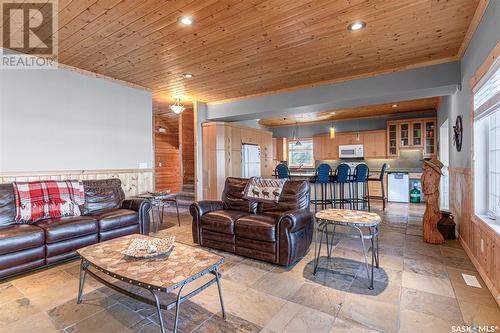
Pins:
<point x="159" y="274"/>
<point x="354" y="219"/>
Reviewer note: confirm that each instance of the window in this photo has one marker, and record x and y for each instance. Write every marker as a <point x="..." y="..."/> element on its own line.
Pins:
<point x="487" y="143"/>
<point x="300" y="153"/>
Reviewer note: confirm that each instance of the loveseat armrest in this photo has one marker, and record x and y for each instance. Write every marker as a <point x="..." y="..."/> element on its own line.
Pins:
<point x="295" y="232"/>
<point x="197" y="210"/>
<point x="142" y="207"/>
<point x="295" y="220"/>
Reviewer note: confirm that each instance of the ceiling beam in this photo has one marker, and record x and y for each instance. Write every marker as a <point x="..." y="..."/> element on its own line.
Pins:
<point x="432" y="81"/>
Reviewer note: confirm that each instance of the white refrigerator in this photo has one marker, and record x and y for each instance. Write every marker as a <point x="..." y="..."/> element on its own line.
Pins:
<point x="251" y="161"/>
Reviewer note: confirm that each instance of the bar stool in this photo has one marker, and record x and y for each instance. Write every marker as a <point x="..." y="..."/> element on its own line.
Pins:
<point x="282" y="171"/>
<point x="381" y="179"/>
<point x="360" y="176"/>
<point x="322" y="178"/>
<point x="341" y="178"/>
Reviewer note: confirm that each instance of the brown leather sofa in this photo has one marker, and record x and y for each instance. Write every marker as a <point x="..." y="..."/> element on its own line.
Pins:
<point x="278" y="233"/>
<point x="106" y="215"/>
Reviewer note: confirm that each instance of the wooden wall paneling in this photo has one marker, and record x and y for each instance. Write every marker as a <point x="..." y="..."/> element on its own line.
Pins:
<point x="134" y="181"/>
<point x="186" y="136"/>
<point x="167" y="153"/>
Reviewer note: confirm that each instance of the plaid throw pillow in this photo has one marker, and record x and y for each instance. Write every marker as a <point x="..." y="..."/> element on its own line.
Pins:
<point x="263" y="189"/>
<point x="44" y="199"/>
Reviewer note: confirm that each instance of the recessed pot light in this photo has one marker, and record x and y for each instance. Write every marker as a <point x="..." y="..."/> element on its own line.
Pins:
<point x="333" y="113"/>
<point x="355" y="26"/>
<point x="186" y="20"/>
<point x="394" y="105"/>
<point x="187" y="75"/>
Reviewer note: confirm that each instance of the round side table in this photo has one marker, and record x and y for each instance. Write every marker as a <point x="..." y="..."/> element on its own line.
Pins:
<point x="355" y="220"/>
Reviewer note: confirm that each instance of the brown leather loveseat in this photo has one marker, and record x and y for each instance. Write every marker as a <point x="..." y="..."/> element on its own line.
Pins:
<point x="279" y="233"/>
<point x="105" y="215"/>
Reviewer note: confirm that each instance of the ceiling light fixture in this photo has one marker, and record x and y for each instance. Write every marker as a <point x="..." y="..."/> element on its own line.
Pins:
<point x="177" y="107"/>
<point x="333" y="113"/>
<point x="186" y="20"/>
<point x="332" y="132"/>
<point x="187" y="75"/>
<point x="394" y="105"/>
<point x="355" y="26"/>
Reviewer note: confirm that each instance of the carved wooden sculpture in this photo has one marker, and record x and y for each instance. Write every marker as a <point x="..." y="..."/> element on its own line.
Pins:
<point x="430" y="186"/>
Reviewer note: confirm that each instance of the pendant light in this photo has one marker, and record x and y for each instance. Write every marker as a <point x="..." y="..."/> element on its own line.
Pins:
<point x="332" y="132"/>
<point x="297" y="143"/>
<point x="177" y="107"/>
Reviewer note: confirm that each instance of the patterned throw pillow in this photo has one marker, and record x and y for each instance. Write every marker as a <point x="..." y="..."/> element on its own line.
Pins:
<point x="44" y="199"/>
<point x="264" y="189"/>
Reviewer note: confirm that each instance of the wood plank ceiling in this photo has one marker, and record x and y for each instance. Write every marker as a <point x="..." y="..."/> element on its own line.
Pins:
<point x="427" y="104"/>
<point x="244" y="47"/>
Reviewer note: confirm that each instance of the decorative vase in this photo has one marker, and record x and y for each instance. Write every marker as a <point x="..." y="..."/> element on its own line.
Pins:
<point x="446" y="225"/>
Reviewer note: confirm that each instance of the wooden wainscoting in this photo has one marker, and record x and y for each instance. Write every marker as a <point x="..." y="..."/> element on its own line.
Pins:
<point x="472" y="231"/>
<point x="134" y="181"/>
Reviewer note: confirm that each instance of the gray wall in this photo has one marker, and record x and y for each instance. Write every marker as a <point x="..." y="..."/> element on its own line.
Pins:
<point x="63" y="120"/>
<point x="485" y="39"/>
<point x="437" y="80"/>
<point x="367" y="124"/>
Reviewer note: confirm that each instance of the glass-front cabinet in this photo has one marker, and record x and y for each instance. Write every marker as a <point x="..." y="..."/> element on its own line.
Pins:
<point x="412" y="134"/>
<point x="416" y="134"/>
<point x="404" y="134"/>
<point x="392" y="133"/>
<point x="430" y="138"/>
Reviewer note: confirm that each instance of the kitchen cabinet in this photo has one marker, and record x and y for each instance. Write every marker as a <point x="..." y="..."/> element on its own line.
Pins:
<point x="222" y="154"/>
<point x="412" y="134"/>
<point x="374" y="143"/>
<point x="330" y="148"/>
<point x="392" y="140"/>
<point x="416" y="134"/>
<point x="430" y="138"/>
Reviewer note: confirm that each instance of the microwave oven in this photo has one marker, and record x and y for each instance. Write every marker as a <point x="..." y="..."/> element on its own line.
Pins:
<point x="351" y="151"/>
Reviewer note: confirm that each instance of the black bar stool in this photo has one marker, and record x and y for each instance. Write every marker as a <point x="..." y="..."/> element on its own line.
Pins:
<point x="381" y="179"/>
<point x="341" y="178"/>
<point x="322" y="178"/>
<point x="282" y="171"/>
<point x="360" y="176"/>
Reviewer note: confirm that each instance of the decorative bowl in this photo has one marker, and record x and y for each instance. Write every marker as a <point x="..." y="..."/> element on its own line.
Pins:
<point x="149" y="247"/>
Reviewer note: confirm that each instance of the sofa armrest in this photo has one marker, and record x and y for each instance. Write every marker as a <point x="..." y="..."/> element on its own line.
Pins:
<point x="200" y="208"/>
<point x="295" y="232"/>
<point x="142" y="207"/>
<point x="295" y="220"/>
<point x="197" y="210"/>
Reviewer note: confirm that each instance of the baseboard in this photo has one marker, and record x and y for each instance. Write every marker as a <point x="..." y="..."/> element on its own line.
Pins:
<point x="482" y="273"/>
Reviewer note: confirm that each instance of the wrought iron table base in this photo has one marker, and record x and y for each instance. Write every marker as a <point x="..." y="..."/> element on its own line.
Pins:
<point x="372" y="236"/>
<point x="160" y="208"/>
<point x="84" y="270"/>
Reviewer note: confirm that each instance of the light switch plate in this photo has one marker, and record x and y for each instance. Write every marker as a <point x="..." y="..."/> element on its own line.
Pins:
<point x="471" y="280"/>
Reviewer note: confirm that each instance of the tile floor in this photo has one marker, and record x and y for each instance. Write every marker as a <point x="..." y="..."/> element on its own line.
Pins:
<point x="418" y="288"/>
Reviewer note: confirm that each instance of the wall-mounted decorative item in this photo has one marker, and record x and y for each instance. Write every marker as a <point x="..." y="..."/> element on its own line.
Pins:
<point x="458" y="133"/>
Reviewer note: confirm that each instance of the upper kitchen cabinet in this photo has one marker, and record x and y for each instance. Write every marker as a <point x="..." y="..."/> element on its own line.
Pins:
<point x="430" y="138"/>
<point x="411" y="134"/>
<point x="374" y="143"/>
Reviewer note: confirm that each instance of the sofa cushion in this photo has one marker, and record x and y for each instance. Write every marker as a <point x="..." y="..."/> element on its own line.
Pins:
<point x="114" y="218"/>
<point x="63" y="228"/>
<point x="295" y="195"/>
<point x="233" y="196"/>
<point x="7" y="205"/>
<point x="221" y="220"/>
<point x="102" y="193"/>
<point x="19" y="237"/>
<point x="258" y="226"/>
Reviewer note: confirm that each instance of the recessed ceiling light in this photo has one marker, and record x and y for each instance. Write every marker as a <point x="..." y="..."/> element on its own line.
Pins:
<point x="186" y="20"/>
<point x="187" y="75"/>
<point x="394" y="105"/>
<point x="355" y="26"/>
<point x="333" y="113"/>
